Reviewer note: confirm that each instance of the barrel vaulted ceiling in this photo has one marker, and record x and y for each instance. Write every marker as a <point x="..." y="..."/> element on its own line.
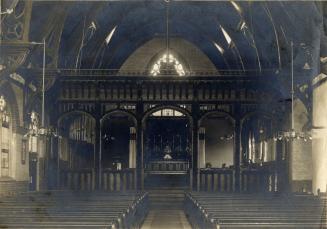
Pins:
<point x="261" y="32"/>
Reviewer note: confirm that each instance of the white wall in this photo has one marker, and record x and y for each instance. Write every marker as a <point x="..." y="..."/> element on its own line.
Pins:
<point x="319" y="142"/>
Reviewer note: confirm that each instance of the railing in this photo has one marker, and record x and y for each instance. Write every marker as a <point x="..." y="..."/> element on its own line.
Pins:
<point x="262" y="178"/>
<point x="78" y="179"/>
<point x="215" y="180"/>
<point x="86" y="179"/>
<point x="167" y="167"/>
<point x="118" y="180"/>
<point x="258" y="180"/>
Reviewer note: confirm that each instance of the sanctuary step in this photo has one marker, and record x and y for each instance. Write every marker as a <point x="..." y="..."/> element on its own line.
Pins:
<point x="166" y="198"/>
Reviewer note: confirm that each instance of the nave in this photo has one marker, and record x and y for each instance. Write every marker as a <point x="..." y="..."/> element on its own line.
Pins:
<point x="197" y="210"/>
<point x="163" y="114"/>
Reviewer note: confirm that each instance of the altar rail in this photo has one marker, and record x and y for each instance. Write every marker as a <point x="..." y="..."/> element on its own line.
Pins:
<point x="258" y="181"/>
<point x="215" y="180"/>
<point x="78" y="179"/>
<point x="167" y="167"/>
<point x="118" y="180"/>
<point x="86" y="180"/>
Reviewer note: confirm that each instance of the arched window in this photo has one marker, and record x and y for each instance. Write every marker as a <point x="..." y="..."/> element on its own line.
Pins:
<point x="167" y="113"/>
<point x="5" y="134"/>
<point x="167" y="64"/>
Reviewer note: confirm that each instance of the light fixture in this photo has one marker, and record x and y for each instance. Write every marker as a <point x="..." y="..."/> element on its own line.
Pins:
<point x="7" y="11"/>
<point x="306" y="66"/>
<point x="168" y="63"/>
<point x="226" y="137"/>
<point x="292" y="134"/>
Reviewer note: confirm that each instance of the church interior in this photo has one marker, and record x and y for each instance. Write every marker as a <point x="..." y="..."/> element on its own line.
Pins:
<point x="164" y="114"/>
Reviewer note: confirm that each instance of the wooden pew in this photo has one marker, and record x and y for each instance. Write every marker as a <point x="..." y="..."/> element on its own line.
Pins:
<point x="254" y="211"/>
<point x="74" y="210"/>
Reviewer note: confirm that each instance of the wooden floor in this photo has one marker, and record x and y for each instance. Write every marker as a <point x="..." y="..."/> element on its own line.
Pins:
<point x="166" y="219"/>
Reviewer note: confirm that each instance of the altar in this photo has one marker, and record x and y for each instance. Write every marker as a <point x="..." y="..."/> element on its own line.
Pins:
<point x="167" y="167"/>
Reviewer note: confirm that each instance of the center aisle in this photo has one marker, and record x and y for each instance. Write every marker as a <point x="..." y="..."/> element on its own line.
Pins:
<point x="166" y="219"/>
<point x="166" y="209"/>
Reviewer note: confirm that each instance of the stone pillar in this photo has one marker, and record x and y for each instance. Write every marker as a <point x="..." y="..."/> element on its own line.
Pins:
<point x="299" y="155"/>
<point x="319" y="114"/>
<point x="237" y="155"/>
<point x="132" y="148"/>
<point x="202" y="148"/>
<point x="319" y="135"/>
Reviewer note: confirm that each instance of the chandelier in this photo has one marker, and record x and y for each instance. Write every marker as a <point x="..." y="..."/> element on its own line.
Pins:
<point x="292" y="134"/>
<point x="227" y="137"/>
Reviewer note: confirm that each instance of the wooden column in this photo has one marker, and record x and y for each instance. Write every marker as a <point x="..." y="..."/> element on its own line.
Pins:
<point x="195" y="145"/>
<point x="202" y="148"/>
<point x="139" y="145"/>
<point x="132" y="148"/>
<point x="237" y="155"/>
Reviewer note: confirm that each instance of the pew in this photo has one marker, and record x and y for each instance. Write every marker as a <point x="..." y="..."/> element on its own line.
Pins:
<point x="222" y="210"/>
<point x="62" y="209"/>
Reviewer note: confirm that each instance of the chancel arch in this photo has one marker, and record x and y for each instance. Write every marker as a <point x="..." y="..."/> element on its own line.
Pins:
<point x="167" y="147"/>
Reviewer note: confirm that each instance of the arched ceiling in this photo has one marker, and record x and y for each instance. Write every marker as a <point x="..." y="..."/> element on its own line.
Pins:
<point x="262" y="42"/>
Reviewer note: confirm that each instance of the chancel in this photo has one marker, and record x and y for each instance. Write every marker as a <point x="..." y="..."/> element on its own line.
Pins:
<point x="163" y="114"/>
